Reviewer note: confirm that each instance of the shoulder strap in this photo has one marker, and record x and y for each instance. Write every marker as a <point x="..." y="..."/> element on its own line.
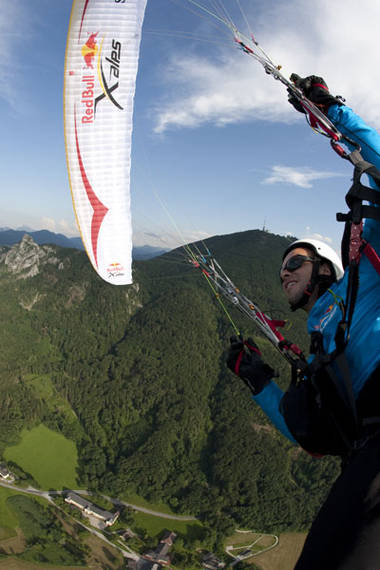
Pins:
<point x="372" y="256"/>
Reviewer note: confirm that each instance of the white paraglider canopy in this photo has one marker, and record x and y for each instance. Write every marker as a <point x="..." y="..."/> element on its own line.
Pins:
<point x="100" y="74"/>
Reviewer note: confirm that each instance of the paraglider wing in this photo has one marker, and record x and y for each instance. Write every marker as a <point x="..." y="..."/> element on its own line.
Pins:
<point x="100" y="74"/>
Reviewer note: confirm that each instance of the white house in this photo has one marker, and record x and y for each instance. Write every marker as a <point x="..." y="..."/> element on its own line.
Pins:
<point x="91" y="509"/>
<point x="5" y="474"/>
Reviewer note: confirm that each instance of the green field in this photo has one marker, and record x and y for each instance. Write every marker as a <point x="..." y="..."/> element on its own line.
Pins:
<point x="48" y="456"/>
<point x="156" y="525"/>
<point x="134" y="499"/>
<point x="8" y="520"/>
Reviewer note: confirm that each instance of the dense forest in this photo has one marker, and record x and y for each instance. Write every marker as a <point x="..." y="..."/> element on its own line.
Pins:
<point x="140" y="383"/>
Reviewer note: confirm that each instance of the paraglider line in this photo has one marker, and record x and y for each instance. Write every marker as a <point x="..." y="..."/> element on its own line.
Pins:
<point x="221" y="302"/>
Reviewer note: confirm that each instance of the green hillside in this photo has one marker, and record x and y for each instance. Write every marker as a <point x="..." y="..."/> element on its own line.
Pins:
<point x="136" y="377"/>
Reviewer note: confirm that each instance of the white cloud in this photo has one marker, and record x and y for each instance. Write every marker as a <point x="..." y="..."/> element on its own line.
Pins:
<point x="298" y="176"/>
<point x="333" y="39"/>
<point x="15" y="33"/>
<point x="17" y="220"/>
<point x="48" y="224"/>
<point x="320" y="237"/>
<point x="218" y="96"/>
<point x="311" y="235"/>
<point x="68" y="228"/>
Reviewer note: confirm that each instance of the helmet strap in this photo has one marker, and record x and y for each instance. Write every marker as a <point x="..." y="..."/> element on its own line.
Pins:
<point x="324" y="282"/>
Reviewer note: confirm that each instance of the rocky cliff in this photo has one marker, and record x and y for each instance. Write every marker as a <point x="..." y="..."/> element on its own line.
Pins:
<point x="25" y="259"/>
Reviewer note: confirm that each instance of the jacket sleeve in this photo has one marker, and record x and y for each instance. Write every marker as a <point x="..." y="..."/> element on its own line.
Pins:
<point x="368" y="138"/>
<point x="355" y="128"/>
<point x="269" y="401"/>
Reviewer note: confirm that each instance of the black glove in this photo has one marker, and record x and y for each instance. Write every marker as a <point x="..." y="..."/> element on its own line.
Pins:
<point x="315" y="89"/>
<point x="244" y="359"/>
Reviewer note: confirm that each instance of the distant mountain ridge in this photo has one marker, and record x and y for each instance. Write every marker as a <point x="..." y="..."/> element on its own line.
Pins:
<point x="41" y="237"/>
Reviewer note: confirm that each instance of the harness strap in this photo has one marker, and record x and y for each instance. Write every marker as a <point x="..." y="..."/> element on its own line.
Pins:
<point x="352" y="293"/>
<point x="358" y="211"/>
<point x="372" y="256"/>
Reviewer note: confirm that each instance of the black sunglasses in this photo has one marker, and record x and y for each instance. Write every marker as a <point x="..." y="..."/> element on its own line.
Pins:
<point x="295" y="262"/>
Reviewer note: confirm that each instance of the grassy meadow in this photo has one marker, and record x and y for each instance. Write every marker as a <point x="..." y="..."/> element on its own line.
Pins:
<point x="134" y="499"/>
<point x="156" y="525"/>
<point x="8" y="520"/>
<point x="48" y="456"/>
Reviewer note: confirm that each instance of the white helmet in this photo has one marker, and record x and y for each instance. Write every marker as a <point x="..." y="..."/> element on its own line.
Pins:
<point x="322" y="250"/>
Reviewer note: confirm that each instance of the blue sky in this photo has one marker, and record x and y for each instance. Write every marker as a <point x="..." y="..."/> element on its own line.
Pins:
<point x="214" y="136"/>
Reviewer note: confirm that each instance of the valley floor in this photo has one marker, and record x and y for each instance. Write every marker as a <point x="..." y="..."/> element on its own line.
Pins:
<point x="279" y="554"/>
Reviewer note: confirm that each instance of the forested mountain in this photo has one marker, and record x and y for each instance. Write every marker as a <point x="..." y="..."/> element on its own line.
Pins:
<point x="152" y="406"/>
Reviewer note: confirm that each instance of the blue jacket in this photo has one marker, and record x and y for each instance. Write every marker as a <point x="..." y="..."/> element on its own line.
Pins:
<point x="363" y="349"/>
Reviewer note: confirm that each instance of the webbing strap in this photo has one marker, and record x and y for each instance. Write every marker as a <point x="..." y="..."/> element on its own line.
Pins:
<point x="359" y="193"/>
<point x="359" y="211"/>
<point x="354" y="235"/>
<point x="352" y="292"/>
<point x="372" y="256"/>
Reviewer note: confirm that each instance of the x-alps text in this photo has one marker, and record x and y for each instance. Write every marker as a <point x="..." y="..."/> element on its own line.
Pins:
<point x="89" y="100"/>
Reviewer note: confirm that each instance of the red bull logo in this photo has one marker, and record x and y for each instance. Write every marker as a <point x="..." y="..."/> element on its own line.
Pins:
<point x="108" y="68"/>
<point x="90" y="50"/>
<point x="115" y="270"/>
<point x="327" y="316"/>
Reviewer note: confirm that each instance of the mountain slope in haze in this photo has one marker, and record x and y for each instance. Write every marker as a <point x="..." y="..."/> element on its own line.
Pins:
<point x="11" y="237"/>
<point x="42" y="237"/>
<point x="142" y="367"/>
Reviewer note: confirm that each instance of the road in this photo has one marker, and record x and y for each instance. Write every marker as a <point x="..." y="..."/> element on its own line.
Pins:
<point x="238" y="557"/>
<point x="47" y="496"/>
<point x="126" y="552"/>
<point x="149" y="511"/>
